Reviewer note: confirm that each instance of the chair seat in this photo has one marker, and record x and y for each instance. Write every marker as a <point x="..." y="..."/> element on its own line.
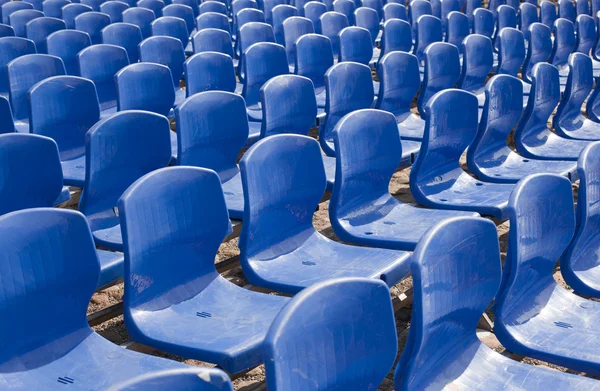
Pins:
<point x="64" y="196"/>
<point x="580" y="129"/>
<point x="111" y="267"/>
<point x="329" y="164"/>
<point x="410" y="150"/>
<point x="223" y="324"/>
<point x="526" y="87"/>
<point x="253" y="132"/>
<point x="321" y="97"/>
<point x="552" y="147"/>
<point x="22" y="126"/>
<point x="254" y="112"/>
<point x="108" y="112"/>
<point x="234" y="196"/>
<point x="83" y="358"/>
<point x="309" y="257"/>
<point x="74" y="171"/>
<point x="410" y="126"/>
<point x="108" y="233"/>
<point x="238" y="88"/>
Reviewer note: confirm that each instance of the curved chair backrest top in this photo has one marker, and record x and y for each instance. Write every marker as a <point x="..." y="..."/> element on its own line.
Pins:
<point x="548" y="13"/>
<point x="19" y="19"/>
<point x="396" y="36"/>
<point x="13" y="6"/>
<point x="213" y="20"/>
<point x="188" y="204"/>
<point x="66" y="44"/>
<point x="483" y="22"/>
<point x="377" y="5"/>
<point x="70" y="11"/>
<point x="212" y="6"/>
<point x="143" y="146"/>
<point x="209" y="71"/>
<point x="114" y="9"/>
<point x="507" y="17"/>
<point x="447" y="7"/>
<point x="370" y="345"/>
<point x="394" y="11"/>
<point x="458" y="29"/>
<point x="280" y="14"/>
<point x="268" y="9"/>
<point x="145" y="86"/>
<point x="126" y="35"/>
<point x="212" y="128"/>
<point x="314" y="56"/>
<point x="293" y="28"/>
<point x="511" y="53"/>
<point x="355" y="45"/>
<point x="141" y="17"/>
<point x="212" y="40"/>
<point x="40" y="28"/>
<point x="442" y="71"/>
<point x="10" y="49"/>
<point x="30" y="170"/>
<point x="92" y="23"/>
<point x="248" y="35"/>
<point x="565" y="42"/>
<point x="470" y="8"/>
<point x="586" y="34"/>
<point x="368" y="18"/>
<point x="313" y="11"/>
<point x="264" y="60"/>
<point x="467" y="247"/>
<point x="399" y="82"/>
<point x="493" y="6"/>
<point x="166" y="51"/>
<point x="331" y="24"/>
<point x="583" y="7"/>
<point x="6" y="31"/>
<point x="528" y="15"/>
<point x="539" y="48"/>
<point x="416" y="9"/>
<point x="429" y="30"/>
<point x="567" y="10"/>
<point x="155" y="6"/>
<point x="478" y="61"/>
<point x="183" y="12"/>
<point x="346" y="7"/>
<point x="205" y="379"/>
<point x="53" y="8"/>
<point x="171" y="26"/>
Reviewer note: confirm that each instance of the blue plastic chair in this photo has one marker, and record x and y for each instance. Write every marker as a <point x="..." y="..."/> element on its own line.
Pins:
<point x="443" y="350"/>
<point x="100" y="64"/>
<point x="565" y="43"/>
<point x="436" y="179"/>
<point x="11" y="48"/>
<point x="595" y="7"/>
<point x="193" y="4"/>
<point x="394" y="11"/>
<point x="92" y="23"/>
<point x="533" y="139"/>
<point x="511" y="55"/>
<point x="527" y="16"/>
<point x="298" y="349"/>
<point x="377" y="5"/>
<point x="71" y="11"/>
<point x="396" y="36"/>
<point x="593" y="105"/>
<point x="448" y="6"/>
<point x="538" y="50"/>
<point x="189" y="238"/>
<point x="248" y="35"/>
<point x="7" y="124"/>
<point x="264" y="60"/>
<point x="483" y="22"/>
<point x="66" y="44"/>
<point x="493" y="6"/>
<point x="143" y="146"/>
<point x="361" y="209"/>
<point x="212" y="40"/>
<point x="280" y="14"/>
<point x="268" y="9"/>
<point x="548" y="13"/>
<point x="436" y="8"/>
<point x="238" y="6"/>
<point x="212" y="6"/>
<point x="292" y="189"/>
<point x="429" y="30"/>
<point x="489" y="157"/>
<point x="171" y="27"/>
<point x="95" y="4"/>
<point x="184" y="12"/>
<point x="313" y="11"/>
<point x="13" y="6"/>
<point x="314" y="56"/>
<point x="155" y="6"/>
<point x="478" y="62"/>
<point x="355" y="45"/>
<point x="212" y="128"/>
<point x="209" y="71"/>
<point x="166" y="51"/>
<point x="193" y="378"/>
<point x="213" y="20"/>
<point x="586" y="34"/>
<point x="347" y="8"/>
<point x="23" y="73"/>
<point x="53" y="8"/>
<point x="416" y="9"/>
<point x="399" y="82"/>
<point x="294" y="28"/>
<point x="245" y="16"/>
<point x="457" y="29"/>
<point x="56" y="353"/>
<point x="114" y="9"/>
<point x="579" y="263"/>
<point x="567" y="10"/>
<point x="331" y="24"/>
<point x="142" y="18"/>
<point x="19" y="19"/>
<point x="442" y="71"/>
<point x="569" y="122"/>
<point x="507" y="17"/>
<point x="583" y="7"/>
<point x="535" y="316"/>
<point x="470" y="8"/>
<point x="6" y="31"/>
<point x="126" y="35"/>
<point x="40" y="28"/>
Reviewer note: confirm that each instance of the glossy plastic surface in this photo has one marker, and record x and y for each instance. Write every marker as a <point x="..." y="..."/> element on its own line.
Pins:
<point x="66" y="44"/>
<point x="489" y="156"/>
<point x="394" y="11"/>
<point x="442" y="71"/>
<point x="13" y="6"/>
<point x="209" y="71"/>
<point x="141" y="17"/>
<point x="280" y="14"/>
<point x="40" y="28"/>
<point x="567" y="10"/>
<point x="92" y="23"/>
<point x="114" y="9"/>
<point x="212" y="40"/>
<point x="155" y="6"/>
<point x="583" y="7"/>
<point x="185" y="379"/>
<point x="166" y="51"/>
<point x="396" y="36"/>
<point x="470" y="8"/>
<point x="535" y="316"/>
<point x="493" y="6"/>
<point x="418" y="8"/>
<point x="248" y="35"/>
<point x="331" y="25"/>
<point x="318" y="330"/>
<point x="436" y="179"/>
<point x="228" y="322"/>
<point x="565" y="42"/>
<point x="314" y="56"/>
<point x="355" y="45"/>
<point x="125" y="35"/>
<point x="145" y="86"/>
<point x="11" y="48"/>
<point x="19" y="19"/>
<point x="7" y="124"/>
<point x="483" y="22"/>
<point x="171" y="26"/>
<point x="95" y="4"/>
<point x="548" y="13"/>
<point x="213" y="20"/>
<point x="212" y="128"/>
<point x="477" y="63"/>
<point x="511" y="55"/>
<point x="53" y="8"/>
<point x="295" y="256"/>
<point x="448" y="6"/>
<point x="457" y="29"/>
<point x="183" y="12"/>
<point x="429" y="30"/>
<point x="313" y="11"/>
<point x="539" y="48"/>
<point x="443" y="350"/>
<point x="268" y="6"/>
<point x="528" y="15"/>
<point x="6" y="31"/>
<point x="586" y="34"/>
<point x="212" y="6"/>
<point x="295" y="27"/>
<point x="71" y="11"/>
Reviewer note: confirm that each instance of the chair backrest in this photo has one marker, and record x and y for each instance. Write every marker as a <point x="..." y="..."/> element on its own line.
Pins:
<point x="468" y="249"/>
<point x="298" y="181"/>
<point x="184" y="12"/>
<point x="280" y="14"/>
<point x="264" y="60"/>
<point x="507" y="17"/>
<point x="313" y="11"/>
<point x="238" y="6"/>
<point x="376" y="5"/>
<point x="205" y="379"/>
<point x="213" y="20"/>
<point x="40" y="28"/>
<point x="100" y="64"/>
<point x="92" y="23"/>
<point x="368" y="18"/>
<point x="429" y="30"/>
<point x="66" y="44"/>
<point x="294" y="28"/>
<point x="114" y="9"/>
<point x="213" y="40"/>
<point x="447" y="7"/>
<point x="595" y="9"/>
<point x="11" y="48"/>
<point x="23" y="73"/>
<point x="543" y="98"/>
<point x="74" y="109"/>
<point x="363" y="320"/>
<point x="30" y="170"/>
<point x="394" y="11"/>
<point x="13" y="6"/>
<point x="248" y="15"/>
<point x="248" y="35"/>
<point x="95" y="4"/>
<point x="268" y="9"/>
<point x="399" y="82"/>
<point x="171" y="26"/>
<point x="345" y="7"/>
<point x="493" y="6"/>
<point x="19" y="19"/>
<point x="209" y="71"/>
<point x="418" y="8"/>
<point x="548" y="13"/>
<point x="528" y="15"/>
<point x="126" y="35"/>
<point x="567" y="10"/>
<point x="193" y="4"/>
<point x="436" y="8"/>
<point x="442" y="71"/>
<point x="451" y="119"/>
<point x="478" y="61"/>
<point x="58" y="247"/>
<point x="470" y="8"/>
<point x="331" y="24"/>
<point x="155" y="6"/>
<point x="212" y="128"/>
<point x="511" y="54"/>
<point x="355" y="45"/>
<point x="6" y="31"/>
<point x="539" y="48"/>
<point x="586" y="34"/>
<point x="314" y="56"/>
<point x="145" y="86"/>
<point x="289" y="105"/>
<point x="349" y="87"/>
<point x="396" y="36"/>
<point x="458" y="29"/>
<point x="583" y="7"/>
<point x="212" y="6"/>
<point x="483" y="22"/>
<point x="7" y="124"/>
<point x="144" y="145"/>
<point x="53" y="8"/>
<point x="501" y="112"/>
<point x="565" y="42"/>
<point x="141" y="17"/>
<point x="166" y="51"/>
